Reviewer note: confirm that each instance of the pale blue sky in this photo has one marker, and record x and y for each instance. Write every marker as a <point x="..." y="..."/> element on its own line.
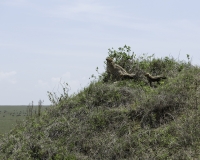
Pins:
<point x="45" y="42"/>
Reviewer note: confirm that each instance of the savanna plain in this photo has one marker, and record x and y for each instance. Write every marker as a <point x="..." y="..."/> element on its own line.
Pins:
<point x="11" y="115"/>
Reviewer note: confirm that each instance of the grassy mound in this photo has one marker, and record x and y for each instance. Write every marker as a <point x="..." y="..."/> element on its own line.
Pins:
<point x="123" y="120"/>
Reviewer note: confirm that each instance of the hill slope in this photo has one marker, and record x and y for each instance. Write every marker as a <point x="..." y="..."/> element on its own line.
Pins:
<point x="123" y="120"/>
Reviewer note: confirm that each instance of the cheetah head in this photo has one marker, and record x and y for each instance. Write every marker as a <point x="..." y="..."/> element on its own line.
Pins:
<point x="109" y="59"/>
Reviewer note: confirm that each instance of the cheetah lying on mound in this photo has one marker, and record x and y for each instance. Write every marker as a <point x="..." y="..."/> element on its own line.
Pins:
<point x="116" y="71"/>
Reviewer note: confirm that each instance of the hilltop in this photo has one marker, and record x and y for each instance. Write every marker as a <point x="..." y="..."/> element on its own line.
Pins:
<point x="126" y="119"/>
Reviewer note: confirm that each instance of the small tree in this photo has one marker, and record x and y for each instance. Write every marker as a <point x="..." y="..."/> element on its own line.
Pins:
<point x="40" y="102"/>
<point x="30" y="109"/>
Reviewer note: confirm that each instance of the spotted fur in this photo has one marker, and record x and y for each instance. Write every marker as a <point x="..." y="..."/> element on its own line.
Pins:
<point x="116" y="71"/>
<point x="154" y="78"/>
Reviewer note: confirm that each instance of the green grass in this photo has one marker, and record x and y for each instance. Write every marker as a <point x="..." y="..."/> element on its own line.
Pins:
<point x="10" y="115"/>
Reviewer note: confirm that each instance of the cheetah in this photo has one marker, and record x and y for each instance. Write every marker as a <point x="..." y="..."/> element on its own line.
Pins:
<point x="154" y="78"/>
<point x="116" y="71"/>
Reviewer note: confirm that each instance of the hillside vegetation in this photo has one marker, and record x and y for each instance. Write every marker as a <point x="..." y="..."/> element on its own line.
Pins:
<point x="117" y="120"/>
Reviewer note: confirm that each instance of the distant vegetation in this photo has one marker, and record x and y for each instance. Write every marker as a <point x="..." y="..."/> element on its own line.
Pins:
<point x="11" y="115"/>
<point x="123" y="120"/>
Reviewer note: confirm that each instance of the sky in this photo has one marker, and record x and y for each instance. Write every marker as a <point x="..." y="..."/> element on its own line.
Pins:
<point x="44" y="44"/>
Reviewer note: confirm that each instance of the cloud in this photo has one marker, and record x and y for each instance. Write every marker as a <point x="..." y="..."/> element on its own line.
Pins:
<point x="80" y="8"/>
<point x="43" y="83"/>
<point x="8" y="77"/>
<point x="55" y="79"/>
<point x="4" y="75"/>
<point x="16" y="3"/>
<point x="13" y="81"/>
<point x="77" y="9"/>
<point x="98" y="13"/>
<point x="57" y="83"/>
<point x="64" y="77"/>
<point x="67" y="75"/>
<point x="5" y="45"/>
